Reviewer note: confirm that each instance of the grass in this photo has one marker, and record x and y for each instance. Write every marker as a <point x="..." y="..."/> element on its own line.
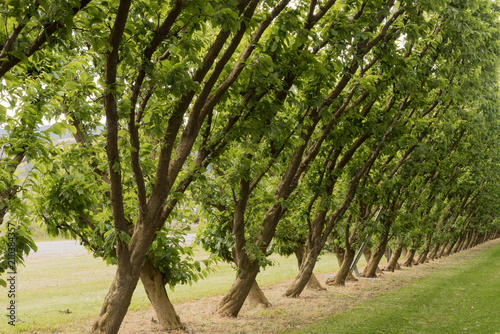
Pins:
<point x="47" y="288"/>
<point x="464" y="298"/>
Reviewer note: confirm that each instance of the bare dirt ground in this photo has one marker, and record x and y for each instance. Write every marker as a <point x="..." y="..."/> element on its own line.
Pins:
<point x="287" y="314"/>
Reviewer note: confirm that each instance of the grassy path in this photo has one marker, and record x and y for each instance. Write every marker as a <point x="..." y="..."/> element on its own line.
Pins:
<point x="464" y="298"/>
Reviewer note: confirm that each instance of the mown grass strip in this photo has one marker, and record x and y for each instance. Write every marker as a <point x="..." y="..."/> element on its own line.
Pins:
<point x="462" y="299"/>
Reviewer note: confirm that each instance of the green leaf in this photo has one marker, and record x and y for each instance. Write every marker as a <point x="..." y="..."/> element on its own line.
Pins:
<point x="125" y="237"/>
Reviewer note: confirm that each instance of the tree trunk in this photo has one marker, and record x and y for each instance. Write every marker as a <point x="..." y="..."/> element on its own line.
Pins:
<point x="459" y="244"/>
<point x="344" y="273"/>
<point x="433" y="253"/>
<point x="404" y="251"/>
<point x="425" y="250"/>
<point x="410" y="254"/>
<point x="231" y="303"/>
<point x="449" y="247"/>
<point x="257" y="297"/>
<point x="422" y="257"/>
<point x="442" y="249"/>
<point x="452" y="246"/>
<point x="468" y="240"/>
<point x="313" y="283"/>
<point x="339" y="254"/>
<point x="367" y="252"/>
<point x="473" y="240"/>
<point x="378" y="253"/>
<point x="117" y="300"/>
<point x="304" y="274"/>
<point x="152" y="279"/>
<point x="392" y="264"/>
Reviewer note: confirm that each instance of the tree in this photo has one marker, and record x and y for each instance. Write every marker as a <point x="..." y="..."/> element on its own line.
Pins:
<point x="28" y="27"/>
<point x="263" y="103"/>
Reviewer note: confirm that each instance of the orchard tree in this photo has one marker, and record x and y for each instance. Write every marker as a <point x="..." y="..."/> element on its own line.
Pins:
<point x="27" y="26"/>
<point x="321" y="105"/>
<point x="162" y="77"/>
<point x="243" y="104"/>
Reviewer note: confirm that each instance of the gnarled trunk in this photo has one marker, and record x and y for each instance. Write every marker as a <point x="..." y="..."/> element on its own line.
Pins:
<point x="410" y="254"/>
<point x="117" y="300"/>
<point x="304" y="274"/>
<point x="257" y="297"/>
<point x="313" y="282"/>
<point x="442" y="249"/>
<point x="344" y="272"/>
<point x="433" y="253"/>
<point x="367" y="253"/>
<point x="378" y="252"/>
<point x="422" y="257"/>
<point x="459" y="244"/>
<point x="152" y="279"/>
<point x="231" y="303"/>
<point x="393" y="264"/>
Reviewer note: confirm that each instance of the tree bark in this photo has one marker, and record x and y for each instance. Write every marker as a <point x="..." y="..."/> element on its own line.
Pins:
<point x="443" y="248"/>
<point x="393" y="264"/>
<point x="344" y="273"/>
<point x="378" y="252"/>
<point x="468" y="240"/>
<point x="118" y="299"/>
<point x="433" y="253"/>
<point x="410" y="254"/>
<point x="152" y="279"/>
<point x="340" y="254"/>
<point x="422" y="258"/>
<point x="313" y="282"/>
<point x="367" y="253"/>
<point x="257" y="297"/>
<point x="231" y="303"/>
<point x="304" y="274"/>
<point x="450" y="246"/>
<point x="404" y="251"/>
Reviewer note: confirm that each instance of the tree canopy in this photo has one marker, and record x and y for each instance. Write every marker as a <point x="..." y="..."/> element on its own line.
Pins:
<point x="288" y="123"/>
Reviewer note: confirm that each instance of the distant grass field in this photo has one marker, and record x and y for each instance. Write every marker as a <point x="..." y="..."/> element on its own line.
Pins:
<point x="461" y="299"/>
<point x="50" y="288"/>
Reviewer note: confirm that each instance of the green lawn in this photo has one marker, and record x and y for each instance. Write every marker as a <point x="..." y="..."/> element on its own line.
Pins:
<point x="461" y="299"/>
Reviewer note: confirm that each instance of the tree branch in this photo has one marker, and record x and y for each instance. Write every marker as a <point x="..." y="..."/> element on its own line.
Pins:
<point x="47" y="32"/>
<point x="112" y="121"/>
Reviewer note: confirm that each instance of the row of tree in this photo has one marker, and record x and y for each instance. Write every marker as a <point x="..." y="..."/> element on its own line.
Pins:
<point x="290" y="124"/>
